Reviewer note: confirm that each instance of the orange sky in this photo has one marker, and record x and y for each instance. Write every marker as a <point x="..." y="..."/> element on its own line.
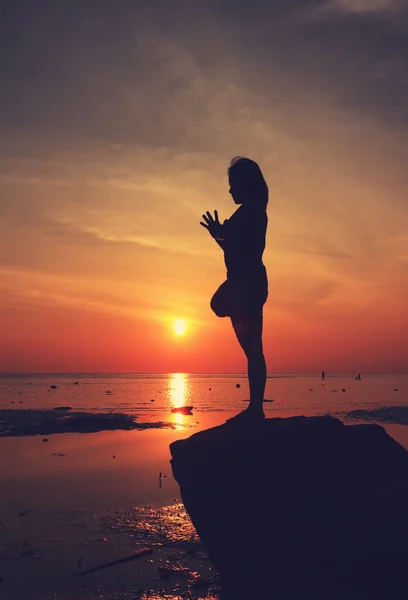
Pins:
<point x="103" y="183"/>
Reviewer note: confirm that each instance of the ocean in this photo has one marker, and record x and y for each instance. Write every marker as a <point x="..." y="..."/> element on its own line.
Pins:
<point x="151" y="396"/>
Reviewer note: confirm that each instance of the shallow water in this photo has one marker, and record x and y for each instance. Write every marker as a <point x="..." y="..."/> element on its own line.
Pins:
<point x="152" y="396"/>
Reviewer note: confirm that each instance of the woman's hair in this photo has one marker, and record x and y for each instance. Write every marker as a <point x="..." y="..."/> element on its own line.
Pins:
<point x="250" y="178"/>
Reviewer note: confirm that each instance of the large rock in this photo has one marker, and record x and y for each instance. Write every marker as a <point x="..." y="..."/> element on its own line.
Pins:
<point x="300" y="508"/>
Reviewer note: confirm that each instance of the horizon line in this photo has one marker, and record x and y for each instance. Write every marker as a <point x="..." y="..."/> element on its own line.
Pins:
<point x="241" y="373"/>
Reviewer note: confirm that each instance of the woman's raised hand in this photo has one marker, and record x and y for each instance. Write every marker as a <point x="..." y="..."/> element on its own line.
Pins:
<point x="213" y="225"/>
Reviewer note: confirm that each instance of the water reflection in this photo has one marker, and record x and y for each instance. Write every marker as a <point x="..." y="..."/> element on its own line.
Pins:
<point x="179" y="393"/>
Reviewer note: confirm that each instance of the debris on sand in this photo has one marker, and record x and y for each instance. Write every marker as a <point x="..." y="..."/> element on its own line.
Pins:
<point x="169" y="569"/>
<point x="183" y="410"/>
<point x="139" y="553"/>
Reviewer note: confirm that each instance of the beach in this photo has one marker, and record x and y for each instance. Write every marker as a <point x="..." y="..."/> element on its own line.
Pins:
<point x="74" y="501"/>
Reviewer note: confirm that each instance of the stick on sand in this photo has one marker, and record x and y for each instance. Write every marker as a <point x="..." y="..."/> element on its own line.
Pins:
<point x="140" y="553"/>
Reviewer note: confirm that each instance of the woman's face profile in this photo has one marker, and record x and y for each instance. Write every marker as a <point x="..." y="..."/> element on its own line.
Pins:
<point x="236" y="188"/>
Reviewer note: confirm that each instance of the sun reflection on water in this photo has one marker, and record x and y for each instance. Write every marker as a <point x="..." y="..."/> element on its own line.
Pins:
<point x="179" y="394"/>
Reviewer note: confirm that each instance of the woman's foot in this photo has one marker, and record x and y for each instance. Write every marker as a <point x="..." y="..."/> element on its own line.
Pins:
<point x="252" y="414"/>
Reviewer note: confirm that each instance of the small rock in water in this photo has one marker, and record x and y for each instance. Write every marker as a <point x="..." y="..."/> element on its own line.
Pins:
<point x="395" y="390"/>
<point x="184" y="410"/>
<point x="237" y="385"/>
<point x="53" y="387"/>
<point x="343" y="390"/>
<point x="76" y="382"/>
<point x="108" y="392"/>
<point x="311" y="390"/>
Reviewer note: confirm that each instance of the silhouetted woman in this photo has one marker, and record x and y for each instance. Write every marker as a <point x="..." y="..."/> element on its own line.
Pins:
<point x="242" y="296"/>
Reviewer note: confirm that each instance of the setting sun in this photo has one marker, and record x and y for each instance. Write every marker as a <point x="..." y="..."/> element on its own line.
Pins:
<point x="179" y="326"/>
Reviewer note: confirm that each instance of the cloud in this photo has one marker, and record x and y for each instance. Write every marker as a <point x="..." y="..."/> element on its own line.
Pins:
<point x="359" y="7"/>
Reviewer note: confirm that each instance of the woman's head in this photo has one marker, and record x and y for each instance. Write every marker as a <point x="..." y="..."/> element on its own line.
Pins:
<point x="247" y="184"/>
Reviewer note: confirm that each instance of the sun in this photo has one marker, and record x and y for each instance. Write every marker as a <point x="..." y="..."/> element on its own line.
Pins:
<point x="179" y="326"/>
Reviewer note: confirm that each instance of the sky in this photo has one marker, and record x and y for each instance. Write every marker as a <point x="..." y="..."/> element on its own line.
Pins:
<point x="117" y="124"/>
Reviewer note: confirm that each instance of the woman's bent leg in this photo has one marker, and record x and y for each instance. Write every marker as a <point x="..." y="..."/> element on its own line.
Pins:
<point x="221" y="300"/>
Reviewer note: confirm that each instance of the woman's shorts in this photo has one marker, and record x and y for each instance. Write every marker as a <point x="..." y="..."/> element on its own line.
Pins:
<point x="241" y="297"/>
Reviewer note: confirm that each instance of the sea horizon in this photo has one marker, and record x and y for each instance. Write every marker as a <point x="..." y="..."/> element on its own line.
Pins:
<point x="197" y="374"/>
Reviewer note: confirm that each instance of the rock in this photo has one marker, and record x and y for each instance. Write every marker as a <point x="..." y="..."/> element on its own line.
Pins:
<point x="184" y="410"/>
<point x="299" y="508"/>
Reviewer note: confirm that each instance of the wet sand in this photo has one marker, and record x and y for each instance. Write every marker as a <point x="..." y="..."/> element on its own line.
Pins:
<point x="64" y="508"/>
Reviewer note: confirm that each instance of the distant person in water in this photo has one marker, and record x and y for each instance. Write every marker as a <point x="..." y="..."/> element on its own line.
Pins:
<point x="323" y="375"/>
<point x="242" y="296"/>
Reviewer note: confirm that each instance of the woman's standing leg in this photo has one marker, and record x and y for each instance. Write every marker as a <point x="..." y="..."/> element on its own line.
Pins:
<point x="249" y="335"/>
